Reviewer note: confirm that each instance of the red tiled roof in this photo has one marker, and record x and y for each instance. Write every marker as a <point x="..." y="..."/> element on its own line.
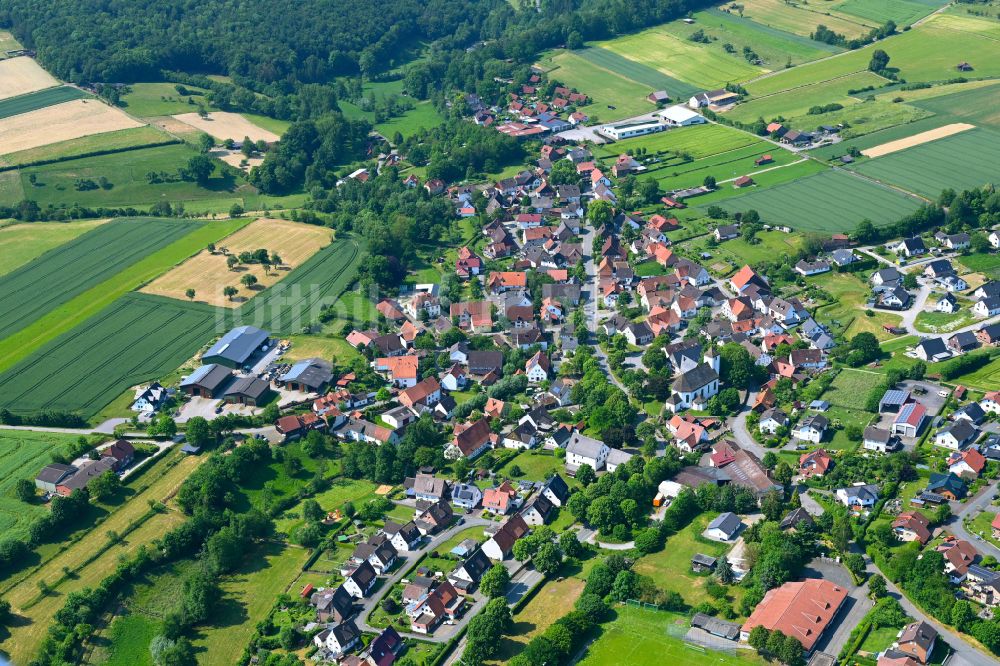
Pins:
<point x="802" y="609"/>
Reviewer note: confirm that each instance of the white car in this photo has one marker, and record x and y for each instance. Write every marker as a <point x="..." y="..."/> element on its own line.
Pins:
<point x="943" y="393"/>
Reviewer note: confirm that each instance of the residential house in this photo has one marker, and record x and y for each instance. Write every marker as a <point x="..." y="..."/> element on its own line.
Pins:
<point x="500" y="545"/>
<point x="470" y="440"/>
<point x="404" y="538"/>
<point x="858" y="496"/>
<point x="912" y="526"/>
<point x="468" y="574"/>
<point x="360" y="582"/>
<point x="959" y="555"/>
<point x="583" y="450"/>
<point x="917" y="640"/>
<point x="426" y="487"/>
<point x="815" y="463"/>
<point x="771" y="420"/>
<point x="538" y="510"/>
<point x="537" y="368"/>
<point x="338" y="639"/>
<point x="724" y="527"/>
<point x="811" y="428"/>
<point x="956" y="436"/>
<point x="947" y="485"/>
<point x="968" y="464"/>
<point x="432" y="517"/>
<point x="332" y="604"/>
<point x="500" y="499"/>
<point x="877" y="439"/>
<point x="555" y="490"/>
<point x="149" y="398"/>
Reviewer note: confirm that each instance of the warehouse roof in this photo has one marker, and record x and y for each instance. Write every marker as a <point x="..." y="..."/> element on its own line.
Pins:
<point x="238" y="344"/>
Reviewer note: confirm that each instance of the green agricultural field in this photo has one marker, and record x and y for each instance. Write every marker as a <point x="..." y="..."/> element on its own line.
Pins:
<point x="762" y="180"/>
<point x="643" y="636"/>
<point x="7" y="43"/>
<point x="71" y="269"/>
<point x="976" y="105"/>
<point x="90" y="365"/>
<point x="775" y="47"/>
<point x="834" y="67"/>
<point x="797" y="102"/>
<point x="697" y="141"/>
<point x="604" y="87"/>
<point x="829" y="202"/>
<point x="682" y="59"/>
<point x="901" y="12"/>
<point x="162" y="99"/>
<point x="423" y="116"/>
<point x="39" y="100"/>
<point x="20" y="243"/>
<point x="270" y="124"/>
<point x="22" y="455"/>
<point x="859" y="119"/>
<point x="56" y="184"/>
<point x="674" y="174"/>
<point x="636" y="71"/>
<point x="879" y="137"/>
<point x="802" y="18"/>
<point x="10" y="186"/>
<point x="134" y="137"/>
<point x="961" y="161"/>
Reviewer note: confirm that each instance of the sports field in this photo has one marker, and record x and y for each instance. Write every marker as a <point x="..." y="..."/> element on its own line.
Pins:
<point x="604" y="86"/>
<point x="645" y="637"/>
<point x="961" y="161"/>
<point x="682" y="59"/>
<point x="20" y="243"/>
<point x="22" y="75"/>
<point x="126" y="173"/>
<point x="61" y="122"/>
<point x="802" y="18"/>
<point x="39" y="100"/>
<point x="224" y="125"/>
<point x="829" y="202"/>
<point x="901" y="12"/>
<point x="71" y="269"/>
<point x="797" y="102"/>
<point x="22" y="455"/>
<point x="208" y="273"/>
<point x="85" y="304"/>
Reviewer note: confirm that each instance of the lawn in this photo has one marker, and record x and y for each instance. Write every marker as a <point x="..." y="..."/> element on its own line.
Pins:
<point x="162" y="99"/>
<point x="22" y="456"/>
<point x="21" y="243"/>
<point x="846" y="313"/>
<point x="738" y="252"/>
<point x="119" y="140"/>
<point x="796" y="103"/>
<point x="670" y="568"/>
<point x="69" y="270"/>
<point x="681" y="59"/>
<point x="39" y="100"/>
<point x="126" y="173"/>
<point x="648" y="268"/>
<point x="802" y="19"/>
<point x="644" y="636"/>
<point x="89" y="558"/>
<point x="982" y="525"/>
<point x="536" y="465"/>
<point x="330" y="347"/>
<point x="555" y="599"/>
<point x="248" y="595"/>
<point x="128" y="640"/>
<point x="838" y="440"/>
<point x="850" y="388"/>
<point x="987" y="264"/>
<point x="828" y="202"/>
<point x="341" y="491"/>
<point x="474" y="533"/>
<point x="604" y="87"/>
<point x="78" y="283"/>
<point x="962" y="161"/>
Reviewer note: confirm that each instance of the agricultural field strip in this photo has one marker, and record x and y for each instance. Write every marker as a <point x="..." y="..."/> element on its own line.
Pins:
<point x="61" y="122"/>
<point x="90" y="365"/>
<point x="22" y="75"/>
<point x="756" y="98"/>
<point x="68" y="270"/>
<point x="39" y="99"/>
<point x="637" y="72"/>
<point x="916" y="140"/>
<point x="777" y="33"/>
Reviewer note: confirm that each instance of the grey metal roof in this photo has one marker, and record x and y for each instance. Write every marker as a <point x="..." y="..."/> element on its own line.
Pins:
<point x="728" y="522"/>
<point x="313" y="372"/>
<point x="238" y="344"/>
<point x="210" y="376"/>
<point x="582" y="445"/>
<point x="248" y="386"/>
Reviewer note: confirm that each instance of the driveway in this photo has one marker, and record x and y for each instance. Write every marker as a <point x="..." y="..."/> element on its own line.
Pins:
<point x="854" y="609"/>
<point x="741" y="433"/>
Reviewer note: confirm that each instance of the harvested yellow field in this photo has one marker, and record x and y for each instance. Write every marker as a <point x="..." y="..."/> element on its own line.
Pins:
<point x="22" y="75"/>
<point x="62" y="122"/>
<point x="916" y="139"/>
<point x="208" y="274"/>
<point x="222" y="125"/>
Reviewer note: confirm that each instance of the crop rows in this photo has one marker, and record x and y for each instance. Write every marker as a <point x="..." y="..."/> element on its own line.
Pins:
<point x="70" y="269"/>
<point x="962" y="161"/>
<point x="638" y="72"/>
<point x="39" y="100"/>
<point x="829" y="202"/>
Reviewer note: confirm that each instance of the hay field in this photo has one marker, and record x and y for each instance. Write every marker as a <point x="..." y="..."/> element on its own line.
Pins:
<point x="802" y="19"/>
<point x="916" y="139"/>
<point x="222" y="125"/>
<point x="208" y="273"/>
<point x="62" y="122"/>
<point x="23" y="75"/>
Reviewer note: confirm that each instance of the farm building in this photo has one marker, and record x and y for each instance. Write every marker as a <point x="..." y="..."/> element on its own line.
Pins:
<point x="312" y="374"/>
<point x="628" y="130"/>
<point x="247" y="391"/>
<point x="207" y="381"/>
<point x="238" y="347"/>
<point x="680" y="116"/>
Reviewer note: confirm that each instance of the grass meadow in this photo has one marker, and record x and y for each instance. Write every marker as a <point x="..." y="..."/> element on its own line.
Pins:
<point x="901" y="12"/>
<point x="802" y="19"/>
<point x="555" y="599"/>
<point x="642" y="73"/>
<point x="146" y="100"/>
<point x="422" y="116"/>
<point x="645" y="636"/>
<point x="118" y="140"/>
<point x="798" y="101"/>
<point x="849" y="389"/>
<point x="961" y="161"/>
<point x="22" y="455"/>
<point x="682" y="59"/>
<point x="20" y="243"/>
<point x="604" y="87"/>
<point x="828" y="202"/>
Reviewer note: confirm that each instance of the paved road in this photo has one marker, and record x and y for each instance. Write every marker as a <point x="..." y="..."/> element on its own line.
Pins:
<point x="855" y="606"/>
<point x="981" y="502"/>
<point x="741" y="433"/>
<point x="909" y="317"/>
<point x="369" y="604"/>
